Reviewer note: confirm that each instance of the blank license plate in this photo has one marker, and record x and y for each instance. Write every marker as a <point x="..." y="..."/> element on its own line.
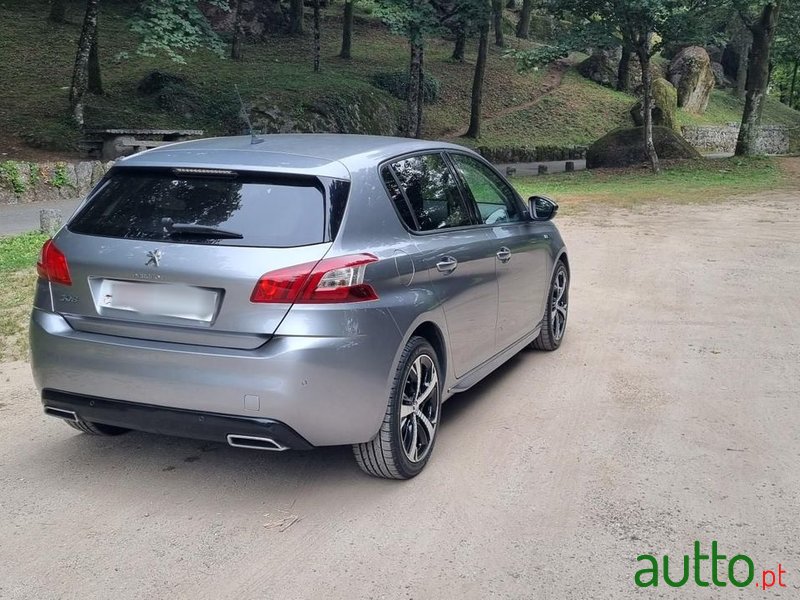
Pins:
<point x="159" y="299"/>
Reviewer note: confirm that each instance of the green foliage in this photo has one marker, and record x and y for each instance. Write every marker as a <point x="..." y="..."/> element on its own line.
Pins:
<point x="60" y="178"/>
<point x="176" y="27"/>
<point x="34" y="174"/>
<point x="413" y="19"/>
<point x="396" y="83"/>
<point x="10" y="172"/>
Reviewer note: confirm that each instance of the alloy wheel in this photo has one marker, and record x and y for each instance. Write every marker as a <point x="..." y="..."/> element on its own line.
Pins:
<point x="419" y="408"/>
<point x="559" y="306"/>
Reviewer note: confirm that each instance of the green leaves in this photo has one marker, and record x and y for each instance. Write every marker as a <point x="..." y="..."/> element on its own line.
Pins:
<point x="413" y="19"/>
<point x="176" y="27"/>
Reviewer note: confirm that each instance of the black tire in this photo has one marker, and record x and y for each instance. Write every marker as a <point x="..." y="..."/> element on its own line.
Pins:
<point x="97" y="428"/>
<point x="387" y="455"/>
<point x="553" y="330"/>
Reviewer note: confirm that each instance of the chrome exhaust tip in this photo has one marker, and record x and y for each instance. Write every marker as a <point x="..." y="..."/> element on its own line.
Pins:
<point x="255" y="443"/>
<point x="60" y="413"/>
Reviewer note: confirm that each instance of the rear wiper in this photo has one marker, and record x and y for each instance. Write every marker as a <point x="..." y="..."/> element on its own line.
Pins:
<point x="197" y="229"/>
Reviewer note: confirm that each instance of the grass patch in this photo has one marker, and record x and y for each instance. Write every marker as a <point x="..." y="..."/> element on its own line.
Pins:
<point x="38" y="60"/>
<point x="683" y="182"/>
<point x="20" y="251"/>
<point x="18" y="256"/>
<point x="576" y="113"/>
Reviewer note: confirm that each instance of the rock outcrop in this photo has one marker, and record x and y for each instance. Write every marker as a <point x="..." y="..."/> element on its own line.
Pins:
<point x="625" y="148"/>
<point x="665" y="106"/>
<point x="691" y="74"/>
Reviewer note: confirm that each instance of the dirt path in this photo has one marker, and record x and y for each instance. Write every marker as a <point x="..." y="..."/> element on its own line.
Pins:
<point x="669" y="415"/>
<point x="551" y="80"/>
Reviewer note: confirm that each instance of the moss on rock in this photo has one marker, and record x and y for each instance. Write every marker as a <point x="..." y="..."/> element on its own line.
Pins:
<point x="625" y="148"/>
<point x="665" y="106"/>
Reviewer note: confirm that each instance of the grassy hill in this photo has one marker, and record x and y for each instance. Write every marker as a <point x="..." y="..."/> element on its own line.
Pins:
<point x="38" y="57"/>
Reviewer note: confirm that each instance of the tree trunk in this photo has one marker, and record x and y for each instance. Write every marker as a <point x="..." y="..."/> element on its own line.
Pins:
<point x="758" y="71"/>
<point x="461" y="45"/>
<point x="80" y="74"/>
<point x="420" y="91"/>
<point x="647" y="105"/>
<point x="524" y="23"/>
<point x="497" y="13"/>
<point x="624" y="70"/>
<point x="792" y="87"/>
<point x="238" y="31"/>
<point x="296" y="17"/>
<point x="742" y="68"/>
<point x="317" y="50"/>
<point x="347" y="29"/>
<point x="95" y="80"/>
<point x="474" y="130"/>
<point x="58" y="11"/>
<point x="413" y="90"/>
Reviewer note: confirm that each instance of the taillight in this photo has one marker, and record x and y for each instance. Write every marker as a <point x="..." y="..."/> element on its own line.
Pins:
<point x="331" y="280"/>
<point x="52" y="265"/>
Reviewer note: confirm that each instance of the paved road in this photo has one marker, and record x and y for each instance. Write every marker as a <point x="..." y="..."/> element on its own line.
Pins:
<point x="20" y="218"/>
<point x="669" y="415"/>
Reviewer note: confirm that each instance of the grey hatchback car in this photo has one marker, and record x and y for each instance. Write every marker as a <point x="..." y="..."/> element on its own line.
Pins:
<point x="293" y="291"/>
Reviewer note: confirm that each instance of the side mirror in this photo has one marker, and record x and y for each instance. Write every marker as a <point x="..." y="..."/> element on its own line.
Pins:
<point x="542" y="208"/>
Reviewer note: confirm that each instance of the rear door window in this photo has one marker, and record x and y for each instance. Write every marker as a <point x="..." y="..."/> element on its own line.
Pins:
<point x="250" y="209"/>
<point x="431" y="192"/>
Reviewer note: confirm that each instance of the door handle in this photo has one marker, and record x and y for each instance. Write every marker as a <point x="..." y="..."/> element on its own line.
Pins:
<point x="504" y="255"/>
<point x="448" y="264"/>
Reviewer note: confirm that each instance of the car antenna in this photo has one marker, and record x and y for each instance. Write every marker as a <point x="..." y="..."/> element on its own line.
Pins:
<point x="254" y="139"/>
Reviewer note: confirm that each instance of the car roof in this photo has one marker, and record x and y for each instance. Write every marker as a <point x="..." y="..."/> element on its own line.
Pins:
<point x="329" y="155"/>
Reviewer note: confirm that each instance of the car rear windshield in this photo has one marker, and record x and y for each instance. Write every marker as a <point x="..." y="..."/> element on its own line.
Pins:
<point x="225" y="208"/>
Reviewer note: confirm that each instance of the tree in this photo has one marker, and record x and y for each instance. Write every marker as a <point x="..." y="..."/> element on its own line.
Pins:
<point x="238" y="30"/>
<point x="176" y="27"/>
<point x="58" y="11"/>
<point x="94" y="77"/>
<point x="316" y="37"/>
<point x="414" y="19"/>
<point x="497" y="13"/>
<point x="762" y="26"/>
<point x="80" y="73"/>
<point x="634" y="24"/>
<point x="474" y="130"/>
<point x="296" y="17"/>
<point x="624" y="69"/>
<point x="347" y="29"/>
<point x="524" y="23"/>
<point x="460" y="46"/>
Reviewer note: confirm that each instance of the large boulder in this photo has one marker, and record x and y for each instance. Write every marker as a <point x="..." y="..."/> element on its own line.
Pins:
<point x="602" y="66"/>
<point x="691" y="74"/>
<point x="665" y="106"/>
<point x="625" y="148"/>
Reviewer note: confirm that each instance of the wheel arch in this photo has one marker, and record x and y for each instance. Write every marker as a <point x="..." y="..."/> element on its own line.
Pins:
<point x="431" y="332"/>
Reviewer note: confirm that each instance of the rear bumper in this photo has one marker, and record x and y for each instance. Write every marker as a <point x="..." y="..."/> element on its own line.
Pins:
<point x="329" y="390"/>
<point x="172" y="421"/>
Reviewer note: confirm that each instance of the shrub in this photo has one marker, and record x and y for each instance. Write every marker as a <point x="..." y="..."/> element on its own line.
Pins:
<point x="396" y="83"/>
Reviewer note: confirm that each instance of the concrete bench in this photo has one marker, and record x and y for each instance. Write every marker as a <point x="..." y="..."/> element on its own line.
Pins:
<point x="113" y="143"/>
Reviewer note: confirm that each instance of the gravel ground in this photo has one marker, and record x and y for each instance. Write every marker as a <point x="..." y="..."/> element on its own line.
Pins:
<point x="669" y="415"/>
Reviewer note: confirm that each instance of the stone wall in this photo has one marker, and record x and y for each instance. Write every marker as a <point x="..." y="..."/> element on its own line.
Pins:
<point x="774" y="139"/>
<point x="23" y="181"/>
<point x="526" y="154"/>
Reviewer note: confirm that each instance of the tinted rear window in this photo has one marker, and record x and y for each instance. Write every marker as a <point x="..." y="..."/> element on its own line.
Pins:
<point x="267" y="211"/>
